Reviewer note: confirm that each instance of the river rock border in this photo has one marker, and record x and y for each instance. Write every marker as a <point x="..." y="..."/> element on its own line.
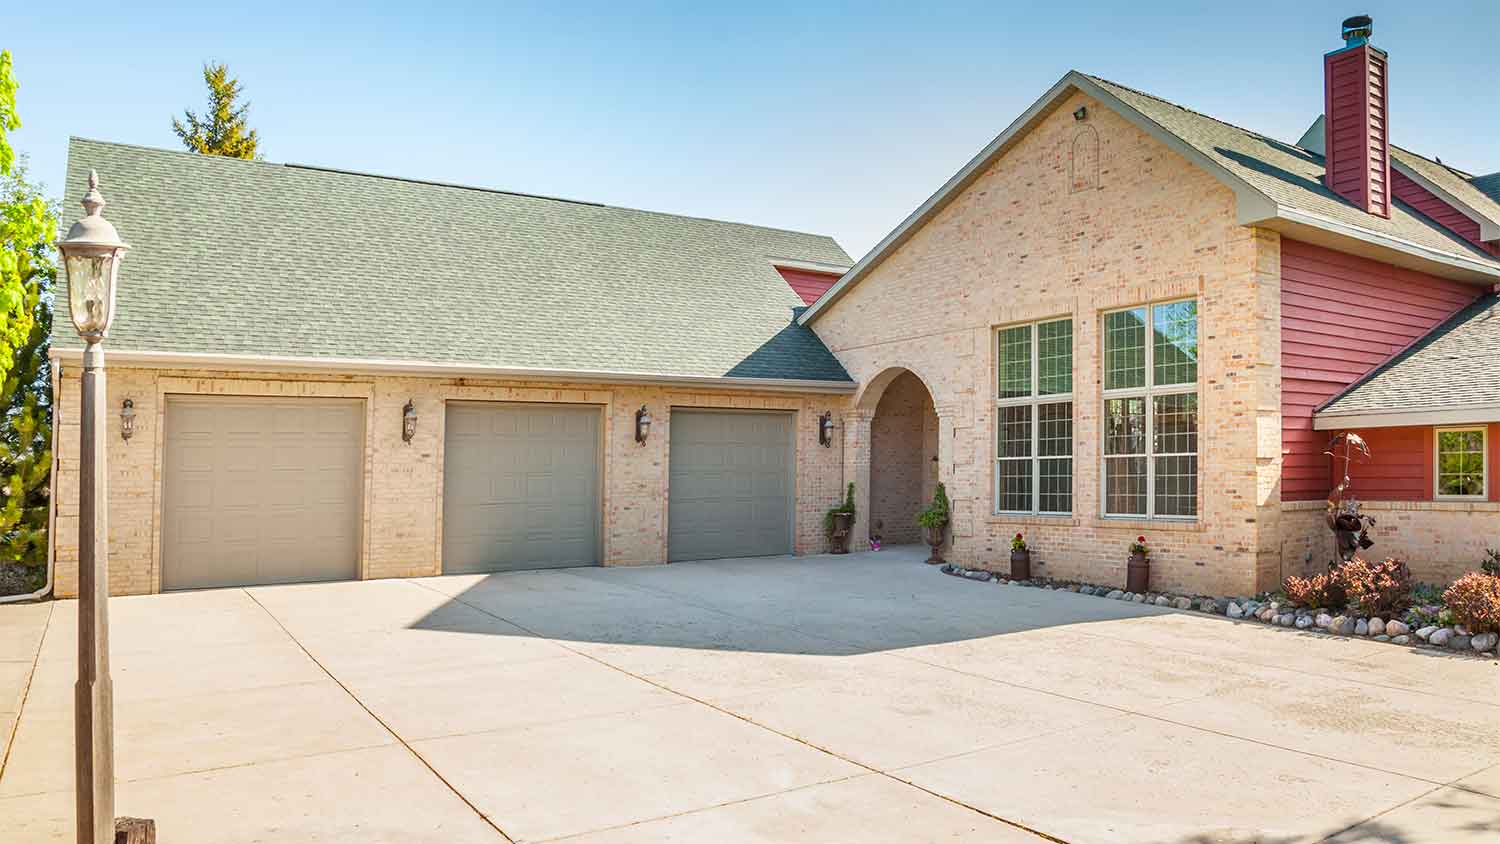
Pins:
<point x="1277" y="613"/>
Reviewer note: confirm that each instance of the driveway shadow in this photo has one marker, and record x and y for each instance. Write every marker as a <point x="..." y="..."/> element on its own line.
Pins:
<point x="859" y="603"/>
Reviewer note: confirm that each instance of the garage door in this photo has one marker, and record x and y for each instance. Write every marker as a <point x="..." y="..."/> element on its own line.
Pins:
<point x="520" y="487"/>
<point x="730" y="491"/>
<point x="260" y="490"/>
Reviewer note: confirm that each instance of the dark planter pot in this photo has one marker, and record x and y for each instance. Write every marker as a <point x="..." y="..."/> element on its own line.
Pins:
<point x="1020" y="565"/>
<point x="935" y="539"/>
<point x="1138" y="574"/>
<point x="843" y="524"/>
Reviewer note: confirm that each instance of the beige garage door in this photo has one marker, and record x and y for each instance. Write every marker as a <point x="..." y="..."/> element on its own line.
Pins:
<point x="730" y="481"/>
<point x="520" y="487"/>
<point x="260" y="490"/>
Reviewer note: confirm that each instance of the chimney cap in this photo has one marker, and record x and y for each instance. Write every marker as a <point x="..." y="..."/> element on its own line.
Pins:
<point x="1357" y="30"/>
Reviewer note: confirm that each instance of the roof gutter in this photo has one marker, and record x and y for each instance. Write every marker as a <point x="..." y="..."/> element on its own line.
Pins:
<point x="1467" y="415"/>
<point x="378" y="366"/>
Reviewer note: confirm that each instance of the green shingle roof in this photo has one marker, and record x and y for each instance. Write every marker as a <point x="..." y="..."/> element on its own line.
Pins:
<point x="1451" y="369"/>
<point x="236" y="257"/>
<point x="1292" y="176"/>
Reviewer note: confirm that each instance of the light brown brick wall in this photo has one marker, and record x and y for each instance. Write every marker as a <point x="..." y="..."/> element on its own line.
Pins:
<point x="903" y="442"/>
<point x="1438" y="540"/>
<point x="1021" y="243"/>
<point x="403" y="482"/>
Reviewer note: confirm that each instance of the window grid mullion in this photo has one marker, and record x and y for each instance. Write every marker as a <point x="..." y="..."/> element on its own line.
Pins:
<point x="1036" y="417"/>
<point x="1150" y="401"/>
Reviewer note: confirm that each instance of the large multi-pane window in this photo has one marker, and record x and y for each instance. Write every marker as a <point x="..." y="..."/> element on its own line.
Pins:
<point x="1034" y="418"/>
<point x="1151" y="411"/>
<point x="1460" y="463"/>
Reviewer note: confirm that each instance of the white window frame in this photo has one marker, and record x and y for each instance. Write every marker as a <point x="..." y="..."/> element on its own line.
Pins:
<point x="1437" y="462"/>
<point x="1034" y="401"/>
<point x="1149" y="392"/>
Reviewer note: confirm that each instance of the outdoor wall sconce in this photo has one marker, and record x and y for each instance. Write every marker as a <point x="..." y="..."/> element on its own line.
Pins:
<point x="642" y="425"/>
<point x="408" y="422"/>
<point x="825" y="429"/>
<point x="127" y="420"/>
<point x="1081" y="113"/>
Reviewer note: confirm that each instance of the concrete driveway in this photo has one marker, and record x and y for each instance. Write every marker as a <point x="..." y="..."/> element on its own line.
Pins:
<point x="865" y="698"/>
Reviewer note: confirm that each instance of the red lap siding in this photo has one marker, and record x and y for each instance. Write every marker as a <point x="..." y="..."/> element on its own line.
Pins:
<point x="1342" y="316"/>
<point x="1441" y="212"/>
<point x="807" y="283"/>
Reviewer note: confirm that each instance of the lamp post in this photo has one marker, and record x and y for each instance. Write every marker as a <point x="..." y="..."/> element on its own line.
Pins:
<point x="91" y="260"/>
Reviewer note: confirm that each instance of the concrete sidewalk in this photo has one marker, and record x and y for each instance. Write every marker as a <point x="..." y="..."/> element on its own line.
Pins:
<point x="863" y="698"/>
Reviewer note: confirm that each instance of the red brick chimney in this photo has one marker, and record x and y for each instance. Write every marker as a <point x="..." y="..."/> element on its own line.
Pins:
<point x="1356" y="140"/>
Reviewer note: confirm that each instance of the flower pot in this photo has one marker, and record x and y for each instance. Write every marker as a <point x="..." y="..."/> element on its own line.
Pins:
<point x="1020" y="565"/>
<point x="843" y="524"/>
<point x="1138" y="574"/>
<point x="935" y="539"/>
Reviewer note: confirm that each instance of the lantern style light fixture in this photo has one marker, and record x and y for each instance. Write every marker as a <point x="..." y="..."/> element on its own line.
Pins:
<point x="825" y="429"/>
<point x="642" y="425"/>
<point x="127" y="420"/>
<point x="408" y="422"/>
<point x="91" y="256"/>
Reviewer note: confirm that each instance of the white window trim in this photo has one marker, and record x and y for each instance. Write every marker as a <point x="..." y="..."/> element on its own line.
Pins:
<point x="1484" y="453"/>
<point x="1034" y="401"/>
<point x="1149" y="392"/>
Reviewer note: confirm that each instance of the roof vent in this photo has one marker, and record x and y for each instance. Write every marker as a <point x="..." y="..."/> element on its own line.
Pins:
<point x="1357" y="30"/>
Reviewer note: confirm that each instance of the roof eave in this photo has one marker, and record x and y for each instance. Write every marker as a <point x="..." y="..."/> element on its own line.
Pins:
<point x="147" y="359"/>
<point x="1489" y="229"/>
<point x="1323" y="231"/>
<point x="1396" y="418"/>
<point x="1251" y="203"/>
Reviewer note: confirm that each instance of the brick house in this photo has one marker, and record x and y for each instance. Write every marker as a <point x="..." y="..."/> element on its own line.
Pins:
<point x="996" y="341"/>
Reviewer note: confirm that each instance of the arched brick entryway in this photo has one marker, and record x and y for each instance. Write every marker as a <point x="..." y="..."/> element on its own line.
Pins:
<point x="892" y="443"/>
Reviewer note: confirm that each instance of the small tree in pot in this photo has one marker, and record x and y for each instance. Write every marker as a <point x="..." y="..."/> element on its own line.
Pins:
<point x="1020" y="559"/>
<point x="838" y="522"/>
<point x="1138" y="571"/>
<point x="933" y="519"/>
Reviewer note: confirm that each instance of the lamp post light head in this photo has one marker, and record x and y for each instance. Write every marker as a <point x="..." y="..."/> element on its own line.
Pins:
<point x="408" y="422"/>
<point x="825" y="429"/>
<point x="642" y="425"/>
<point x="91" y="260"/>
<point x="127" y="420"/>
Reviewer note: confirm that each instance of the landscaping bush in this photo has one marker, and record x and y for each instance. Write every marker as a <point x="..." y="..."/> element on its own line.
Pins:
<point x="1382" y="589"/>
<point x="1474" y="601"/>
<point x="1320" y="590"/>
<point x="1491" y="564"/>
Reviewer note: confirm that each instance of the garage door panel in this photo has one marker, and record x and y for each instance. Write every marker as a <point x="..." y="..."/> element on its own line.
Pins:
<point x="260" y="490"/>
<point x="730" y="479"/>
<point x="521" y="487"/>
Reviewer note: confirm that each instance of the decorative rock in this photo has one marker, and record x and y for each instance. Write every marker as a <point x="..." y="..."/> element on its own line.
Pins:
<point x="1305" y="621"/>
<point x="1182" y="603"/>
<point x="1396" y="628"/>
<point x="1439" y="637"/>
<point x="1460" y="643"/>
<point x="1115" y="595"/>
<point x="1286" y="619"/>
<point x="1139" y="599"/>
<point x="1343" y="626"/>
<point x="1426" y="632"/>
<point x="1403" y="639"/>
<point x="1382" y="638"/>
<point x="1377" y="626"/>
<point x="1266" y="614"/>
<point x="1207" y="605"/>
<point x="1323" y="620"/>
<point x="1361" y="628"/>
<point x="1484" y="641"/>
<point x="1234" y="610"/>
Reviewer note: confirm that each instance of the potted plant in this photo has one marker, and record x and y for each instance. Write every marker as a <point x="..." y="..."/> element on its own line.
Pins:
<point x="933" y="519"/>
<point x="1020" y="559"/>
<point x="838" y="522"/>
<point x="1138" y="571"/>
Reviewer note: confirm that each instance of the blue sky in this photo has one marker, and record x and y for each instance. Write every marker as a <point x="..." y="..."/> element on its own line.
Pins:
<point x="823" y="117"/>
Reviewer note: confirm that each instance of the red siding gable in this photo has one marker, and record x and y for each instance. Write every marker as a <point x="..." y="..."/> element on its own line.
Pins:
<point x="809" y="284"/>
<point x="1342" y="316"/>
<point x="1356" y="144"/>
<point x="1439" y="211"/>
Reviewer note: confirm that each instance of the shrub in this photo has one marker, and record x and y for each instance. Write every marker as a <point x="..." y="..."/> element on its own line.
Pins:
<point x="1320" y="590"/>
<point x="1382" y="589"/>
<point x="936" y="514"/>
<point x="1018" y="544"/>
<point x="1491" y="564"/>
<point x="845" y="509"/>
<point x="1474" y="600"/>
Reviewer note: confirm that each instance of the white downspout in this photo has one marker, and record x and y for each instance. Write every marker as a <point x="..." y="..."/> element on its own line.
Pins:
<point x="51" y="496"/>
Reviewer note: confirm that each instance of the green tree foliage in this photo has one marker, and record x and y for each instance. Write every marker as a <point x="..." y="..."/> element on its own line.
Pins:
<point x="28" y="225"/>
<point x="222" y="129"/>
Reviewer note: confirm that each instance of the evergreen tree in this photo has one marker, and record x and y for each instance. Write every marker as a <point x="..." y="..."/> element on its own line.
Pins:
<point x="222" y="130"/>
